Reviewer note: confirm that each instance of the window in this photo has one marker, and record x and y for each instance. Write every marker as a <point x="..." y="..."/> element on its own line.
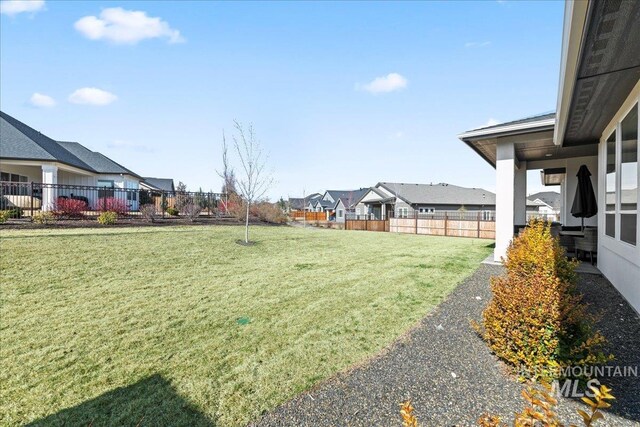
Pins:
<point x="106" y="188"/>
<point x="427" y="210"/>
<point x="629" y="177"/>
<point x="610" y="187"/>
<point x="403" y="212"/>
<point x="14" y="184"/>
<point x="339" y="213"/>
<point x="621" y="180"/>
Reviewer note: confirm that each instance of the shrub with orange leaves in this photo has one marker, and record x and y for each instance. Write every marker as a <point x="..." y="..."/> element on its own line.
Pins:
<point x="406" y="412"/>
<point x="535" y="319"/>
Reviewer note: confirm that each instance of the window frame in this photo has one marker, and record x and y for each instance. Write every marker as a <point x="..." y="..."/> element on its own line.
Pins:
<point x="615" y="243"/>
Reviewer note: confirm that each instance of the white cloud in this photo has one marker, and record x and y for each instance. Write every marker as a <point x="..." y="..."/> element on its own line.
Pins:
<point x="92" y="96"/>
<point x="128" y="145"/>
<point x="122" y="26"/>
<point x="13" y="7"/>
<point x="43" y="101"/>
<point x="398" y="135"/>
<point x="477" y="44"/>
<point x="388" y="83"/>
<point x="491" y="122"/>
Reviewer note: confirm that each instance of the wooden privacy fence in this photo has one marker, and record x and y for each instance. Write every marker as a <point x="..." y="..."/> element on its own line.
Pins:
<point x="455" y="224"/>
<point x="367" y="224"/>
<point x="309" y="216"/>
<point x="444" y="227"/>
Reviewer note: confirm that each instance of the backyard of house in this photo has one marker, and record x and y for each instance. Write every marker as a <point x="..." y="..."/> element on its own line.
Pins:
<point x="182" y="326"/>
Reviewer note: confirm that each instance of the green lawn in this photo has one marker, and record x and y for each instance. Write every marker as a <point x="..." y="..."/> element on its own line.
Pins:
<point x="182" y="326"/>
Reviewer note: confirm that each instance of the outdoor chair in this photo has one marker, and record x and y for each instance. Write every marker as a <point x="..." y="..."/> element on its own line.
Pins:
<point x="588" y="243"/>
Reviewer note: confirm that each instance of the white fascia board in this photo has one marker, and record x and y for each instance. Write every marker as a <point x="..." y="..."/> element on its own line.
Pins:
<point x="574" y="27"/>
<point x="507" y="129"/>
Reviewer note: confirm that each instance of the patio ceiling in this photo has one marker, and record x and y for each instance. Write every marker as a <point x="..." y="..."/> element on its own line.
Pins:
<point x="608" y="67"/>
<point x="532" y="146"/>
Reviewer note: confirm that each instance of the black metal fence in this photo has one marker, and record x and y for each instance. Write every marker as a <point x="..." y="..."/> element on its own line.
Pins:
<point x="20" y="199"/>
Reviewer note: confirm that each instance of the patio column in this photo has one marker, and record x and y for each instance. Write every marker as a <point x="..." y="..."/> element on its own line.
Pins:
<point x="49" y="176"/>
<point x="505" y="197"/>
<point x="384" y="211"/>
<point x="520" y="194"/>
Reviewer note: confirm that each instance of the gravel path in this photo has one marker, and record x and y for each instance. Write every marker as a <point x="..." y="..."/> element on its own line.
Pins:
<point x="449" y="374"/>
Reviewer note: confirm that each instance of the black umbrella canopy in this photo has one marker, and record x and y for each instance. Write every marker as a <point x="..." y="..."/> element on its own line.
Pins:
<point x="584" y="202"/>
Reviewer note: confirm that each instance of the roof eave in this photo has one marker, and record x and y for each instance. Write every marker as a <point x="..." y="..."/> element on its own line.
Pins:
<point x="516" y="129"/>
<point x="574" y="27"/>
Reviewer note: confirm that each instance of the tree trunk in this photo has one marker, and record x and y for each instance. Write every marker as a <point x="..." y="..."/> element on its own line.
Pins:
<point x="246" y="226"/>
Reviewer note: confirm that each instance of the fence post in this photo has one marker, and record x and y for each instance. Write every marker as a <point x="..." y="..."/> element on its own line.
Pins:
<point x="446" y="223"/>
<point x="478" y="224"/>
<point x="415" y="214"/>
<point x="32" y="200"/>
<point x="163" y="199"/>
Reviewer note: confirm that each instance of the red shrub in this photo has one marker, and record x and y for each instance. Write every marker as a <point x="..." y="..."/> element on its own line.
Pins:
<point x="70" y="208"/>
<point x="112" y="204"/>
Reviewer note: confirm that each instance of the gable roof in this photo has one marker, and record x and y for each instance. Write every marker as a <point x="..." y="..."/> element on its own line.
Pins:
<point x="19" y="141"/>
<point x="353" y="198"/>
<point x="97" y="161"/>
<point x="439" y="194"/>
<point x="551" y="198"/>
<point x="164" y="184"/>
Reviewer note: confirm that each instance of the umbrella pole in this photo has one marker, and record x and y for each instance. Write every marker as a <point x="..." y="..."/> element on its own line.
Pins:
<point x="582" y="224"/>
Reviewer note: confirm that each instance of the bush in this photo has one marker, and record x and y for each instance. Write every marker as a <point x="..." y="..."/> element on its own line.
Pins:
<point x="13" y="212"/>
<point x="70" y="208"/>
<point x="112" y="204"/>
<point x="43" y="217"/>
<point x="107" y="218"/>
<point x="535" y="320"/>
<point x="191" y="210"/>
<point x="4" y="216"/>
<point x="173" y="211"/>
<point x="148" y="212"/>
<point x="269" y="212"/>
<point x="235" y="207"/>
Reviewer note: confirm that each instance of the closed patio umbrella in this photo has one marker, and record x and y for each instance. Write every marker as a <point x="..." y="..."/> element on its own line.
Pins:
<point x="584" y="202"/>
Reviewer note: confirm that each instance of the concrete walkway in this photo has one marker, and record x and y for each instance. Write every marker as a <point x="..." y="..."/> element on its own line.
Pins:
<point x="449" y="374"/>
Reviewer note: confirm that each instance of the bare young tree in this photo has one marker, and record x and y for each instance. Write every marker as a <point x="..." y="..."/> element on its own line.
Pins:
<point x="227" y="174"/>
<point x="254" y="181"/>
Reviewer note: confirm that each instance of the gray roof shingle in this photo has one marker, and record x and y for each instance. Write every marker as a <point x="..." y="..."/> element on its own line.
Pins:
<point x="19" y="141"/>
<point x="164" y="184"/>
<point x="440" y="194"/>
<point x="529" y="119"/>
<point x="97" y="161"/>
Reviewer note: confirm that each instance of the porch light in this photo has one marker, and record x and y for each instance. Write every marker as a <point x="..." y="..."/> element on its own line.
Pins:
<point x="552" y="176"/>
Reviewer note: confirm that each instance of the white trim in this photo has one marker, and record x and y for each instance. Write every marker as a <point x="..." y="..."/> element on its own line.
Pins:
<point x="622" y="249"/>
<point x="484" y="132"/>
<point x="575" y="18"/>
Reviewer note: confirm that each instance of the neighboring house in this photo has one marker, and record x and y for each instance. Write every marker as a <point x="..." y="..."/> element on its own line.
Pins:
<point x="347" y="204"/>
<point x="596" y="124"/>
<point x="546" y="204"/>
<point x="27" y="155"/>
<point x="405" y="200"/>
<point x="302" y="203"/>
<point x="337" y="203"/>
<point x="158" y="184"/>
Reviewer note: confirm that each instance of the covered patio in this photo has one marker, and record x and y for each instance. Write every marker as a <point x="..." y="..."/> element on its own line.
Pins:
<point x="595" y="125"/>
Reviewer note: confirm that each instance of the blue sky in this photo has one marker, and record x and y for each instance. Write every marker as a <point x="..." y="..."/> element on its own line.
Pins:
<point x="300" y="72"/>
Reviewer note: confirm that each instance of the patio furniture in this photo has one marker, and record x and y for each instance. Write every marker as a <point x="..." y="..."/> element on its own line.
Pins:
<point x="588" y="243"/>
<point x="567" y="239"/>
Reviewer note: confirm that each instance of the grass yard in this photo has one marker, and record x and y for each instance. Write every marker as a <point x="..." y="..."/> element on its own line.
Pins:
<point x="182" y="326"/>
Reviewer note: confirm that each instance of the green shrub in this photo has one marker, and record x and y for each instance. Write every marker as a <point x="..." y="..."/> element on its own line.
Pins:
<point x="4" y="216"/>
<point x="43" y="217"/>
<point x="108" y="218"/>
<point x="13" y="212"/>
<point x="173" y="211"/>
<point x="535" y="320"/>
